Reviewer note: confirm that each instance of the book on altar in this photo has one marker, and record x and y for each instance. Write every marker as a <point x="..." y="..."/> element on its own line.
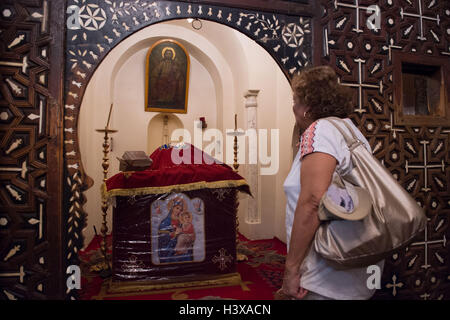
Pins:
<point x="134" y="161"/>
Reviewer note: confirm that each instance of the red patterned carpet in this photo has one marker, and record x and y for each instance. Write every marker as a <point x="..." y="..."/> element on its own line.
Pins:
<point x="261" y="276"/>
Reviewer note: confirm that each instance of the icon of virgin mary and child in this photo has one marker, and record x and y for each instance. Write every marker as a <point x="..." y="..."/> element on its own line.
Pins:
<point x="176" y="233"/>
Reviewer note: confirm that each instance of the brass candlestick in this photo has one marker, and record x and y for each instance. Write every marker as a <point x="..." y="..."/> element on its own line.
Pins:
<point x="105" y="267"/>
<point x="239" y="257"/>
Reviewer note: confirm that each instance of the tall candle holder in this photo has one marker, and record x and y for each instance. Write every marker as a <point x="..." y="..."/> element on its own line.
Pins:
<point x="104" y="267"/>
<point x="239" y="257"/>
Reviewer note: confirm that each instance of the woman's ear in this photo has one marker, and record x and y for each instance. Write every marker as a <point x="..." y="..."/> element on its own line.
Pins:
<point x="308" y="110"/>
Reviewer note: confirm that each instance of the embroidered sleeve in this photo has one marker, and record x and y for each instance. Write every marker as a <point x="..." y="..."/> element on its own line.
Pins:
<point x="321" y="137"/>
<point x="307" y="140"/>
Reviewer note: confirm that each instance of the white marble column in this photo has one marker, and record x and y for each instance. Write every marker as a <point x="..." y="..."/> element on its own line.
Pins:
<point x="253" y="215"/>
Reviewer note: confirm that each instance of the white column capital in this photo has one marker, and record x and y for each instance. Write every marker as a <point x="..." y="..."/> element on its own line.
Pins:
<point x="250" y="97"/>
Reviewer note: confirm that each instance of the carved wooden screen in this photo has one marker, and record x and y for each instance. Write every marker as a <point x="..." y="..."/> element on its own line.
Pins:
<point x="40" y="232"/>
<point x="98" y="26"/>
<point x="418" y="156"/>
<point x="31" y="55"/>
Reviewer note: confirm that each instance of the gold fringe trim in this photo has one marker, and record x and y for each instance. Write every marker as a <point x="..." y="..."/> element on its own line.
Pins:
<point x="172" y="188"/>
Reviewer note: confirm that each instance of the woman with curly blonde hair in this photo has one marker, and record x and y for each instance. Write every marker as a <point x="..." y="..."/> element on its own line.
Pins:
<point x="318" y="95"/>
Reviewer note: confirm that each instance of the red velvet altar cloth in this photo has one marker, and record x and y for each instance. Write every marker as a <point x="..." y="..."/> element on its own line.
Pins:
<point x="200" y="171"/>
<point x="174" y="221"/>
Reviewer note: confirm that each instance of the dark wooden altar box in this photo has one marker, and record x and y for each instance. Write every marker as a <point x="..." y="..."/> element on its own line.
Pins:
<point x="132" y="243"/>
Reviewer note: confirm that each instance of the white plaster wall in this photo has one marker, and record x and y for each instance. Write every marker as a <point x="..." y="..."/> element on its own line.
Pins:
<point x="224" y="64"/>
<point x="274" y="111"/>
<point x="129" y="100"/>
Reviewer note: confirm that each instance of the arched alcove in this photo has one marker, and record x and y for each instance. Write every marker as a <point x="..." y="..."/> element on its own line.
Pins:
<point x="225" y="64"/>
<point x="159" y="130"/>
<point x="119" y="80"/>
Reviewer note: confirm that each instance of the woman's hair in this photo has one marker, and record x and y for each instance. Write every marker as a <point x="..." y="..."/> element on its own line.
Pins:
<point x="319" y="89"/>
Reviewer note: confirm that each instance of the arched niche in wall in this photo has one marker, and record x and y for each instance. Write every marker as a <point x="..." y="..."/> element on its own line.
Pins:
<point x="287" y="38"/>
<point x="120" y="78"/>
<point x="160" y="130"/>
